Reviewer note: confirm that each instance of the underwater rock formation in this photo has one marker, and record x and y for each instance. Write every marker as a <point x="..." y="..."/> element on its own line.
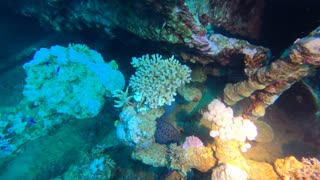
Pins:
<point x="188" y="29"/>
<point x="187" y="25"/>
<point x="267" y="83"/>
<point x="242" y="17"/>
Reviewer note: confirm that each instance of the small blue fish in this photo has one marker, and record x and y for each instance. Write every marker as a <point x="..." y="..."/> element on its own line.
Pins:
<point x="58" y="69"/>
<point x="47" y="63"/>
<point x="32" y="121"/>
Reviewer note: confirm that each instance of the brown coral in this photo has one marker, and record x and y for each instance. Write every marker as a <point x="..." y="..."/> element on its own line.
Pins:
<point x="296" y="63"/>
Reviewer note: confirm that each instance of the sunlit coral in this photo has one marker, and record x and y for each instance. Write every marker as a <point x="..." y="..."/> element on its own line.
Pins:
<point x="227" y="127"/>
<point x="291" y="168"/>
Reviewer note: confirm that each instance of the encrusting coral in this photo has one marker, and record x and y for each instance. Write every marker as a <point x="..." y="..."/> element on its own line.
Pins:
<point x="156" y="80"/>
<point x="70" y="80"/>
<point x="291" y="168"/>
<point x="228" y="171"/>
<point x="155" y="155"/>
<point x="200" y="158"/>
<point x="137" y="129"/>
<point x="266" y="84"/>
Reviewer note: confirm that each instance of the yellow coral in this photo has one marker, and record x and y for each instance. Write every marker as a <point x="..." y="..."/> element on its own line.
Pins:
<point x="291" y="168"/>
<point x="200" y="158"/>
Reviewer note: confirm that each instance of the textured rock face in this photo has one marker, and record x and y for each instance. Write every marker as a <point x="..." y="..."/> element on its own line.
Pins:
<point x="188" y="24"/>
<point x="248" y="22"/>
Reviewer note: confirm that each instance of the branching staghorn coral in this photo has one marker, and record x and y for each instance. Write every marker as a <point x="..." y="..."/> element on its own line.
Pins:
<point x="156" y="80"/>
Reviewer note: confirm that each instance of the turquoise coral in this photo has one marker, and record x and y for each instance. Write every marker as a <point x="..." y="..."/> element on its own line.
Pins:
<point x="70" y="80"/>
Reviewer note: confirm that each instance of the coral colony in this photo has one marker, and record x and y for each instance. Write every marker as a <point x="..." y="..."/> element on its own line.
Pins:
<point x="70" y="82"/>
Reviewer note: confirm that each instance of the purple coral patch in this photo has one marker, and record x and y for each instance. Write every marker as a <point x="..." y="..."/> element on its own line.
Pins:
<point x="192" y="141"/>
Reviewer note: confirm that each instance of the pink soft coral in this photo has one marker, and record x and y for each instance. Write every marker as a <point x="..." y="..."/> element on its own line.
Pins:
<point x="192" y="141"/>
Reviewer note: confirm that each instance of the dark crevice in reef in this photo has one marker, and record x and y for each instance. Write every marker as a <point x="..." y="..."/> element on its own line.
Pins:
<point x="285" y="21"/>
<point x="299" y="103"/>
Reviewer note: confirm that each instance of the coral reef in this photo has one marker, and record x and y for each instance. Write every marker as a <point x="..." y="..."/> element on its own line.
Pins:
<point x="61" y="84"/>
<point x="266" y="84"/>
<point x="227" y="127"/>
<point x="95" y="165"/>
<point x="232" y="17"/>
<point x="156" y="80"/>
<point x="186" y="23"/>
<point x="261" y="170"/>
<point x="192" y="141"/>
<point x="155" y="155"/>
<point x="291" y="168"/>
<point x="190" y="93"/>
<point x="229" y="152"/>
<point x="136" y="129"/>
<point x="71" y="81"/>
<point x="228" y="171"/>
<point x="200" y="158"/>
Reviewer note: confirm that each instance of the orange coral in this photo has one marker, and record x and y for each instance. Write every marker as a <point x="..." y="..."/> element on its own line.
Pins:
<point x="291" y="168"/>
